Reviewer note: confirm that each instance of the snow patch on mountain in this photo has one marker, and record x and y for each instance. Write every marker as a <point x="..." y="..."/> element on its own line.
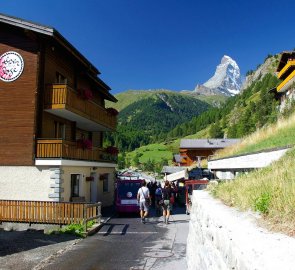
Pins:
<point x="226" y="80"/>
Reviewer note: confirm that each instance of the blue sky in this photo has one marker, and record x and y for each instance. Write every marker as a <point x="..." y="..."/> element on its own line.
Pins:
<point x="171" y="44"/>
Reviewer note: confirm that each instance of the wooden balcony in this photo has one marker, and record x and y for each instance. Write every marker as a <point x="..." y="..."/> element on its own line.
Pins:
<point x="287" y="83"/>
<point x="61" y="149"/>
<point x="63" y="101"/>
<point x="289" y="67"/>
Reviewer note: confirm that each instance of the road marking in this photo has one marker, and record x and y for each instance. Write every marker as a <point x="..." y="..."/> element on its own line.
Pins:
<point x="126" y="233"/>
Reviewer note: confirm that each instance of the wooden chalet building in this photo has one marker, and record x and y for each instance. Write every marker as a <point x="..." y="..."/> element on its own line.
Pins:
<point x="286" y="72"/>
<point x="53" y="117"/>
<point x="193" y="150"/>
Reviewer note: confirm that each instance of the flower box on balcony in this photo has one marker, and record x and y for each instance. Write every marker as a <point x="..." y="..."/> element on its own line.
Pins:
<point x="89" y="178"/>
<point x="85" y="93"/>
<point x="84" y="144"/>
<point x="112" y="150"/>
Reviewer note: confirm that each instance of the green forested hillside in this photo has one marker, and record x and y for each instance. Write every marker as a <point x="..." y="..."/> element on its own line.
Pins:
<point x="149" y="119"/>
<point x="241" y="114"/>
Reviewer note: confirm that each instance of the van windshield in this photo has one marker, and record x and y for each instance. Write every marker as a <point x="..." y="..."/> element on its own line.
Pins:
<point x="126" y="187"/>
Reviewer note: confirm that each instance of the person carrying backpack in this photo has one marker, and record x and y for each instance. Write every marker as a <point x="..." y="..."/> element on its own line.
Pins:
<point x="167" y="198"/>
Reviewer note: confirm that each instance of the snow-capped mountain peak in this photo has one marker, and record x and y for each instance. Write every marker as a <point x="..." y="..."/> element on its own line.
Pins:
<point x="226" y="80"/>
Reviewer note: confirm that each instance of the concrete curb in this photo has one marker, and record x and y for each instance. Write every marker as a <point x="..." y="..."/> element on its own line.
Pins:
<point x="94" y="229"/>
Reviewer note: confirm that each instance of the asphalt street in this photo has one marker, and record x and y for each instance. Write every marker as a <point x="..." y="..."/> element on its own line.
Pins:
<point x="126" y="243"/>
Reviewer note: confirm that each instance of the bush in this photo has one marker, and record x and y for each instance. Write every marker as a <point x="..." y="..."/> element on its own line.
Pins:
<point x="262" y="203"/>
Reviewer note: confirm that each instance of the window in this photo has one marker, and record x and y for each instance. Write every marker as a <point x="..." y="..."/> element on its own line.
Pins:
<point x="60" y="78"/>
<point x="75" y="181"/>
<point x="105" y="178"/>
<point x="59" y="130"/>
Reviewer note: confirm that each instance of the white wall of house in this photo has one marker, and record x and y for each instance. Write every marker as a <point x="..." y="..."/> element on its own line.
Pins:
<point x="222" y="238"/>
<point x="84" y="186"/>
<point x="105" y="197"/>
<point x="53" y="183"/>
<point x="287" y="99"/>
<point x="25" y="183"/>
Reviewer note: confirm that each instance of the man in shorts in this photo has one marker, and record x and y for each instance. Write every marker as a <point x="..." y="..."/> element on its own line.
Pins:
<point x="143" y="198"/>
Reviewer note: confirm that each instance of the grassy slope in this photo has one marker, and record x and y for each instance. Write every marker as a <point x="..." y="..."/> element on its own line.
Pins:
<point x="270" y="190"/>
<point x="276" y="135"/>
<point x="128" y="97"/>
<point x="160" y="151"/>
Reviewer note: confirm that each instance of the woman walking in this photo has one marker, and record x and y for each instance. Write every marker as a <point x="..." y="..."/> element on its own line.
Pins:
<point x="167" y="206"/>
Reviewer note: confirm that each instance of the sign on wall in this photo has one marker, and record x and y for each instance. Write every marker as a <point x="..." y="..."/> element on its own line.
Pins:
<point x="11" y="66"/>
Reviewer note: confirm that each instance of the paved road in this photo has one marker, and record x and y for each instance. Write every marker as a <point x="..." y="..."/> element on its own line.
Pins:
<point x="125" y="243"/>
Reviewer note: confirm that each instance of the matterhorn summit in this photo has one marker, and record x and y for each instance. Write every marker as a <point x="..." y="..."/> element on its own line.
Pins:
<point x="226" y="80"/>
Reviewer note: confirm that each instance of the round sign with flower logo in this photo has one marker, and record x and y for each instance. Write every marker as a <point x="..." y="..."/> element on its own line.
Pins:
<point x="11" y="66"/>
<point x="129" y="194"/>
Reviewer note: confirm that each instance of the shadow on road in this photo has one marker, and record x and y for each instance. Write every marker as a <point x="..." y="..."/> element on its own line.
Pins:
<point x="17" y="241"/>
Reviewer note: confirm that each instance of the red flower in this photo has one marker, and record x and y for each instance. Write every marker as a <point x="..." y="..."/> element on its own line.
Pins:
<point x="112" y="150"/>
<point x="84" y="144"/>
<point x="86" y="93"/>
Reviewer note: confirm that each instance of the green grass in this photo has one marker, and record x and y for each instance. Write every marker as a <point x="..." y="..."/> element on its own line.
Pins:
<point x="160" y="151"/>
<point x="127" y="98"/>
<point x="156" y="152"/>
<point x="277" y="135"/>
<point x="270" y="191"/>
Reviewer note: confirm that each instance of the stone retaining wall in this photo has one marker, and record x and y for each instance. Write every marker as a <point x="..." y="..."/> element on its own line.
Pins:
<point x="221" y="237"/>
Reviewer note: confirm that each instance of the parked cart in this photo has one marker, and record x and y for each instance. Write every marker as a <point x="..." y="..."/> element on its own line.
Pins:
<point x="191" y="185"/>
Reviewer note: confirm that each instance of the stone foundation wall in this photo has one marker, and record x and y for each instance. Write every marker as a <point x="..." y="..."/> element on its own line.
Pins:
<point x="221" y="237"/>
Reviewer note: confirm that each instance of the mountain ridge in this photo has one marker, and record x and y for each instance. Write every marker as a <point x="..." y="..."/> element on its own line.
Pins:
<point x="226" y="79"/>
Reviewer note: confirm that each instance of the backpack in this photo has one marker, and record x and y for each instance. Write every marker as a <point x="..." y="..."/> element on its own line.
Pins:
<point x="158" y="192"/>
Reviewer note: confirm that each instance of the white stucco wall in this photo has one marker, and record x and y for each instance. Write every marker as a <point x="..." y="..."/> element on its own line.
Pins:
<point x="224" y="238"/>
<point x="251" y="161"/>
<point x="106" y="198"/>
<point x="84" y="187"/>
<point x="53" y="183"/>
<point x="24" y="183"/>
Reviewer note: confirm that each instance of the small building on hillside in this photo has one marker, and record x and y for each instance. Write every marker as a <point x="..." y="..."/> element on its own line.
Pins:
<point x="285" y="91"/>
<point x="53" y="119"/>
<point x="193" y="150"/>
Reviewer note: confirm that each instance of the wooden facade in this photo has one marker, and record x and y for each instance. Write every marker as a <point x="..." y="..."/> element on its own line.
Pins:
<point x="18" y="101"/>
<point x="193" y="150"/>
<point x="45" y="101"/>
<point x="189" y="156"/>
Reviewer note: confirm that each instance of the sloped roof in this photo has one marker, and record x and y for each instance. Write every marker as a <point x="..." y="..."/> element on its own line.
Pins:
<point x="172" y="169"/>
<point x="207" y="143"/>
<point x="286" y="55"/>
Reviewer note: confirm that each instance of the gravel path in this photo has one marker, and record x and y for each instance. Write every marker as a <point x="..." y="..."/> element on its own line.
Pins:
<point x="26" y="250"/>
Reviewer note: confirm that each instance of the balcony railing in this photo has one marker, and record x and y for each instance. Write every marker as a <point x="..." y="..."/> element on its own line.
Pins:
<point x="61" y="149"/>
<point x="285" y="84"/>
<point x="48" y="212"/>
<point x="61" y="96"/>
<point x="290" y="64"/>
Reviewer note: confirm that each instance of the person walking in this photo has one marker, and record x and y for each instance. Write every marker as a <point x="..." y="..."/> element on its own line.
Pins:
<point x="167" y="206"/>
<point x="158" y="198"/>
<point x="143" y="198"/>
